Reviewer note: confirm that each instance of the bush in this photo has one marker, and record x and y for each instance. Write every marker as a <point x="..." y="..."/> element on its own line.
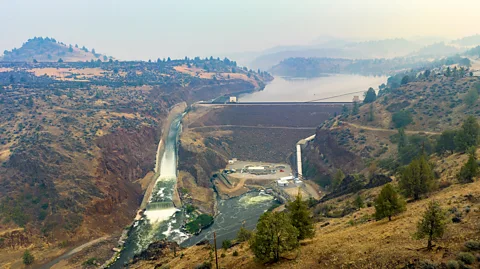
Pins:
<point x="472" y="245"/>
<point x="452" y="264"/>
<point x="223" y="255"/>
<point x="226" y="244"/>
<point x="28" y="257"/>
<point x="466" y="257"/>
<point x="235" y="253"/>
<point x="401" y="118"/>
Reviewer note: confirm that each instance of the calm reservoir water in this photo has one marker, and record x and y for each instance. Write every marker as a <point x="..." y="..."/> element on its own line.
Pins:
<point x="283" y="89"/>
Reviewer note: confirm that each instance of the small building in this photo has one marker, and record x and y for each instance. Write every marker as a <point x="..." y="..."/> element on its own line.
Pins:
<point x="287" y="178"/>
<point x="233" y="99"/>
<point x="232" y="161"/>
<point x="356" y="99"/>
<point x="282" y="183"/>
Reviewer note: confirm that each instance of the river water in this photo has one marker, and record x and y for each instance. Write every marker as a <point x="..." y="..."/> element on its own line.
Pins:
<point x="163" y="220"/>
<point x="284" y="89"/>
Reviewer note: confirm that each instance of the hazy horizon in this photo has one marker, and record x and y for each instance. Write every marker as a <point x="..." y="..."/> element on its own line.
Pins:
<point x="150" y="29"/>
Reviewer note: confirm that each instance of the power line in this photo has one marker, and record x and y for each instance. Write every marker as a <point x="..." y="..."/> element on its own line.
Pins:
<point x="326" y="98"/>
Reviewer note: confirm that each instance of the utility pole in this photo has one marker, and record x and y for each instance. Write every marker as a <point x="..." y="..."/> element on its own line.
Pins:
<point x="215" y="245"/>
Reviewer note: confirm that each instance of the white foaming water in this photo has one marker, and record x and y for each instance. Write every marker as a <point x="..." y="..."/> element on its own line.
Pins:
<point x="160" y="215"/>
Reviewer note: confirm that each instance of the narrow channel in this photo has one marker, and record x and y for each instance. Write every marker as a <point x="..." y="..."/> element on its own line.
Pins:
<point x="162" y="219"/>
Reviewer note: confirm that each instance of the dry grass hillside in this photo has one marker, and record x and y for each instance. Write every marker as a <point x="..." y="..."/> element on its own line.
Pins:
<point x="358" y="241"/>
<point x="77" y="141"/>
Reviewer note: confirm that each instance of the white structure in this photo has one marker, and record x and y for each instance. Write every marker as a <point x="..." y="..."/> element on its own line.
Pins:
<point x="299" y="160"/>
<point x="256" y="168"/>
<point x="297" y="182"/>
<point x="356" y="99"/>
<point x="282" y="183"/>
<point x="232" y="161"/>
<point x="233" y="99"/>
<point x="287" y="178"/>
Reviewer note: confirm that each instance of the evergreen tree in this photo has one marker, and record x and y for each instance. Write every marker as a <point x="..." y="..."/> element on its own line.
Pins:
<point x="345" y="110"/>
<point x="359" y="202"/>
<point x="388" y="203"/>
<point x="470" y="170"/>
<point x="355" y="108"/>
<point x="468" y="135"/>
<point x="471" y="97"/>
<point x="446" y="142"/>
<point x="433" y="224"/>
<point x="417" y="178"/>
<point x="275" y="235"/>
<point x="243" y="234"/>
<point x="371" y="116"/>
<point x="370" y="96"/>
<point x="28" y="257"/>
<point x="337" y="178"/>
<point x="300" y="217"/>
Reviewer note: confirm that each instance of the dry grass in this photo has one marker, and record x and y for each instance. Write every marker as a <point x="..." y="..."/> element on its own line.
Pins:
<point x="374" y="244"/>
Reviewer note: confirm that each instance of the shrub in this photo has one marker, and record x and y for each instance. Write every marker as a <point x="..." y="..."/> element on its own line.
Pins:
<point x="235" y="253"/>
<point x="466" y="257"/>
<point x="452" y="264"/>
<point x="472" y="245"/>
<point x="223" y="255"/>
<point x="401" y="118"/>
<point x="28" y="257"/>
<point x="226" y="244"/>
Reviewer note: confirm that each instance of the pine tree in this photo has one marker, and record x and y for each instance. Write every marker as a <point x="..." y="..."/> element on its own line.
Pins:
<point x="433" y="224"/>
<point x="300" y="217"/>
<point x="371" y="115"/>
<point x="417" y="178"/>
<point x="355" y="108"/>
<point x="337" y="178"/>
<point x="370" y="96"/>
<point x="468" y="135"/>
<point x="359" y="202"/>
<point x="470" y="170"/>
<point x="243" y="234"/>
<point x="275" y="234"/>
<point x="388" y="203"/>
<point x="446" y="142"/>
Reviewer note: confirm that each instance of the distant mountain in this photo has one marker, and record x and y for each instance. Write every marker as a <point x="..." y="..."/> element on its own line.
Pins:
<point x="49" y="50"/>
<point x="469" y="41"/>
<point x="437" y="49"/>
<point x="387" y="48"/>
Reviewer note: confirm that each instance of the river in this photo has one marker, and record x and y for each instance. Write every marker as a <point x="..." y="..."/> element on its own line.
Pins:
<point x="283" y="89"/>
<point x="163" y="220"/>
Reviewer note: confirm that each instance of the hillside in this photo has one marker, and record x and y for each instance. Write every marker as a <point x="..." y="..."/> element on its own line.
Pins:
<point x="78" y="143"/>
<point x="366" y="148"/>
<point x="49" y="50"/>
<point x="316" y="67"/>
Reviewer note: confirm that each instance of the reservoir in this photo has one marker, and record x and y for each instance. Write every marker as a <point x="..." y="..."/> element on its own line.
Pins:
<point x="286" y="89"/>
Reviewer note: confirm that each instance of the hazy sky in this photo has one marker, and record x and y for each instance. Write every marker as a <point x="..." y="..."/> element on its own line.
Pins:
<point x="143" y="29"/>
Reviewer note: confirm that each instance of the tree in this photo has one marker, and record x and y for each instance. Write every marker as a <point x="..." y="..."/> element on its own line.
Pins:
<point x="468" y="135"/>
<point x="446" y="142"/>
<point x="449" y="72"/>
<point x="226" y="244"/>
<point x="405" y="80"/>
<point x="60" y="60"/>
<point x="337" y="178"/>
<point x="370" y="96"/>
<point x="345" y="110"/>
<point x="401" y="118"/>
<point x="471" y="97"/>
<point x="275" y="234"/>
<point x="355" y="108"/>
<point x="28" y="257"/>
<point x="243" y="234"/>
<point x="35" y="61"/>
<point x="417" y="178"/>
<point x="426" y="73"/>
<point x="70" y="48"/>
<point x="371" y="115"/>
<point x="433" y="224"/>
<point x="388" y="203"/>
<point x="359" y="202"/>
<point x="300" y="217"/>
<point x="470" y="170"/>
